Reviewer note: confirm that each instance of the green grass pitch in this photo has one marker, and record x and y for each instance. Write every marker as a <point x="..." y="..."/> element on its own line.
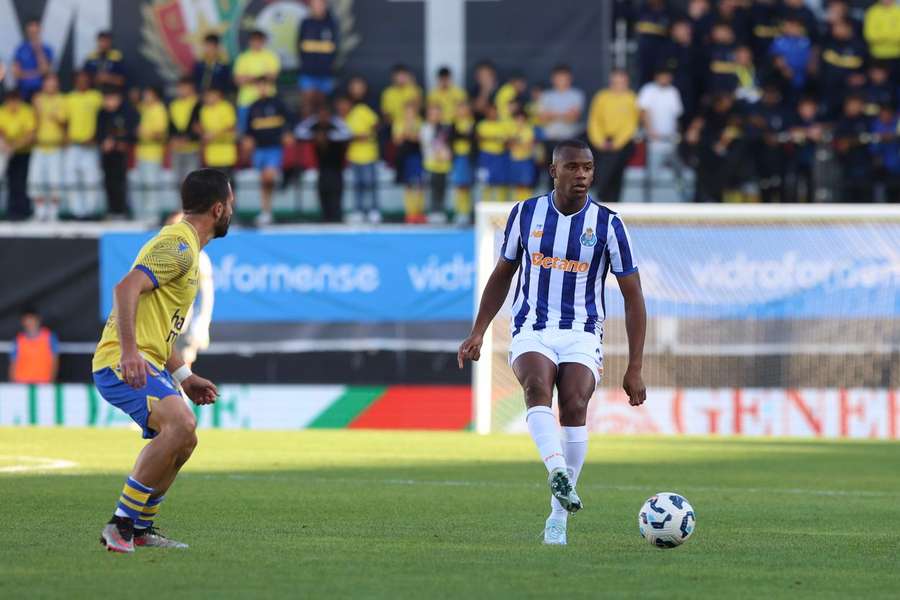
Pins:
<point x="351" y="514"/>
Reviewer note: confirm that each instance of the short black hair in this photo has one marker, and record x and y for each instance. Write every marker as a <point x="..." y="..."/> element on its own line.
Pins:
<point x="110" y="90"/>
<point x="29" y="309"/>
<point x="562" y="68"/>
<point x="258" y="33"/>
<point x="400" y="68"/>
<point x="212" y="38"/>
<point x="570" y="143"/>
<point x="444" y="72"/>
<point x="106" y="33"/>
<point x="203" y="188"/>
<point x="186" y="80"/>
<point x="32" y="20"/>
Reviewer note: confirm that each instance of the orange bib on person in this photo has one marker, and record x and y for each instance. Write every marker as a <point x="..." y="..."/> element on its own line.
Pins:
<point x="34" y="358"/>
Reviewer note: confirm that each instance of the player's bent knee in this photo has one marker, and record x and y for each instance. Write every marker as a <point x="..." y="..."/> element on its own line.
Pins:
<point x="537" y="391"/>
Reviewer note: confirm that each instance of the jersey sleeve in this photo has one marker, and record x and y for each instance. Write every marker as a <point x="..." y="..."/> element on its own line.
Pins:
<point x="165" y="260"/>
<point x="621" y="259"/>
<point x="512" y="237"/>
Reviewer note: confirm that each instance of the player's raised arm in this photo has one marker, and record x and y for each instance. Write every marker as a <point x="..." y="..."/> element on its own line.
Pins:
<point x="125" y="297"/>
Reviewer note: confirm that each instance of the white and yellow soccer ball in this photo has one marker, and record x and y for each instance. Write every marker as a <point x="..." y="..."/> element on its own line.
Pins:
<point x="666" y="520"/>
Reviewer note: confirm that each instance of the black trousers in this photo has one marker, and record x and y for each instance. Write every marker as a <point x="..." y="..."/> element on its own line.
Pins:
<point x="331" y="194"/>
<point x="19" y="204"/>
<point x="115" y="181"/>
<point x="610" y="172"/>
<point x="438" y="183"/>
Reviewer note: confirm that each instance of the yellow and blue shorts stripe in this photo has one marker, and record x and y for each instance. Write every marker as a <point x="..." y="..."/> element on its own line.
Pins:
<point x="136" y="403"/>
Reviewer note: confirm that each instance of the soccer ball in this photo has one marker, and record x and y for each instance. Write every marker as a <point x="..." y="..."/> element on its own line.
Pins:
<point x="666" y="520"/>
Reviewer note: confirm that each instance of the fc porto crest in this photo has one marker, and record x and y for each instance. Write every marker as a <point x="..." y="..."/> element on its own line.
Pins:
<point x="588" y="238"/>
<point x="173" y="30"/>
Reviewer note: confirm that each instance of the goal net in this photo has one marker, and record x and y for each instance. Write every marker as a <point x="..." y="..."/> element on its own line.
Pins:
<point x="739" y="297"/>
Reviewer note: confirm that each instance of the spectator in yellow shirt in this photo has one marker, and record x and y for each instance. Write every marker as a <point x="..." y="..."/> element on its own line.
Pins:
<point x="612" y="125"/>
<point x="251" y="64"/>
<point x="438" y="159"/>
<point x="17" y="127"/>
<point x="183" y="113"/>
<point x="447" y="95"/>
<point x="493" y="159"/>
<point x="46" y="170"/>
<point x="511" y="94"/>
<point x="81" y="161"/>
<point x="406" y="133"/>
<point x="362" y="154"/>
<point x="881" y="29"/>
<point x="216" y="127"/>
<point x="153" y="129"/>
<point x="521" y="155"/>
<point x="402" y="91"/>
<point x="461" y="138"/>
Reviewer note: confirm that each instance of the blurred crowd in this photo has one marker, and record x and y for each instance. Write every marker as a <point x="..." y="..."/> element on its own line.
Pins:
<point x="747" y="95"/>
<point x="768" y="87"/>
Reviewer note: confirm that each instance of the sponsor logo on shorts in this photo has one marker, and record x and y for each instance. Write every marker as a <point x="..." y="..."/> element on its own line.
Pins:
<point x="555" y="262"/>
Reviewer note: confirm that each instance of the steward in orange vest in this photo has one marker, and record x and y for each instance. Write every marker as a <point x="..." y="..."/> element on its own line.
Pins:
<point x="35" y="355"/>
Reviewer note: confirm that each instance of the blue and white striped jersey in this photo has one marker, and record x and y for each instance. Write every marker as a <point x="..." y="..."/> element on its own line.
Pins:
<point x="563" y="263"/>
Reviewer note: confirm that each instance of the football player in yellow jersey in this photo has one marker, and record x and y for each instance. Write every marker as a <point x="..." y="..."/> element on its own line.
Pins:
<point x="136" y="368"/>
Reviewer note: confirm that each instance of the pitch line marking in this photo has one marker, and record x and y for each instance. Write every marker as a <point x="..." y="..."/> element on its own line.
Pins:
<point x="35" y="463"/>
<point x="596" y="486"/>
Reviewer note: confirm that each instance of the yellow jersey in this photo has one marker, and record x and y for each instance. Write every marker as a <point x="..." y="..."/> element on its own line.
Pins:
<point x="492" y="136"/>
<point x="449" y="100"/>
<point x="521" y="141"/>
<point x="180" y="112"/>
<point x="362" y="120"/>
<point x="219" y="119"/>
<point x="255" y="64"/>
<point x="151" y="133"/>
<point x="395" y="98"/>
<point x="462" y="142"/>
<point x="613" y="116"/>
<point x="401" y="131"/>
<point x="170" y="259"/>
<point x="83" y="108"/>
<point x="17" y="126"/>
<point x="51" y="120"/>
<point x="504" y="98"/>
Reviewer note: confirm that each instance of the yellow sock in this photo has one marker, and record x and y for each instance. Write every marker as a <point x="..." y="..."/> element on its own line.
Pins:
<point x="409" y="201"/>
<point x="463" y="201"/>
<point x="420" y="201"/>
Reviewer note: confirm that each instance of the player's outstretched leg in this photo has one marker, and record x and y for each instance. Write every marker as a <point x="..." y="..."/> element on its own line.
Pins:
<point x="154" y="471"/>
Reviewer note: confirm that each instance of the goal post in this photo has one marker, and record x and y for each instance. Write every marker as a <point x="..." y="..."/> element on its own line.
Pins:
<point x="738" y="296"/>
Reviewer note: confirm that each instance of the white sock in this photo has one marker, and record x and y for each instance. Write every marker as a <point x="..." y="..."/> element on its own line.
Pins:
<point x="121" y="513"/>
<point x="545" y="433"/>
<point x="575" y="449"/>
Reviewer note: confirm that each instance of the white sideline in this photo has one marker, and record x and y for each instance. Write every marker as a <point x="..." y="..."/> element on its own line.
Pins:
<point x="40" y="463"/>
<point x="595" y="486"/>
